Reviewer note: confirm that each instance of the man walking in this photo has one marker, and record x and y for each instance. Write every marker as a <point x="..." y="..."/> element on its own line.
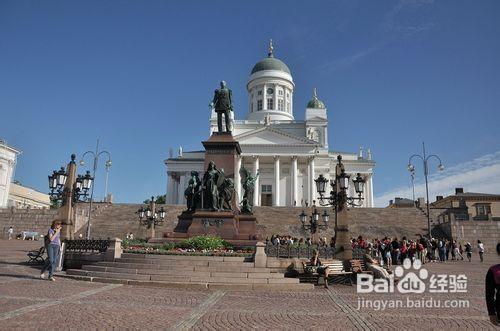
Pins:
<point x="10" y="232"/>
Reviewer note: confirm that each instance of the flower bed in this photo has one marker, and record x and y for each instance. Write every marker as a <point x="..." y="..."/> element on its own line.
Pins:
<point x="201" y="245"/>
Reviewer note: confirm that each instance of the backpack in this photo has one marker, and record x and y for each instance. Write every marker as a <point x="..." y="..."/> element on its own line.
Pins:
<point x="46" y="240"/>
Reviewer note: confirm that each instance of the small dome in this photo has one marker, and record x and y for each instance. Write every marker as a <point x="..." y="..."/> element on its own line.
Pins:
<point x="315" y="102"/>
<point x="271" y="63"/>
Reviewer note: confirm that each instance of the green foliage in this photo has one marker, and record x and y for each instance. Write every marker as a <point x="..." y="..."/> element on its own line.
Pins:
<point x="160" y="200"/>
<point x="126" y="243"/>
<point x="55" y="203"/>
<point x="205" y="243"/>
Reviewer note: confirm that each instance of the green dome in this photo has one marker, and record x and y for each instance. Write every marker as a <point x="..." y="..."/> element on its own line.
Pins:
<point x="271" y="63"/>
<point x="315" y="102"/>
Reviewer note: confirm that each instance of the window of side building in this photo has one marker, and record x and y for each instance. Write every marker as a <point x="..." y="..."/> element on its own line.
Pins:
<point x="482" y="210"/>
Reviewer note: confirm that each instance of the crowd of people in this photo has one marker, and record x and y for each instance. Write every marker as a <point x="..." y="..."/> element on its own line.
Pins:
<point x="290" y="241"/>
<point x="391" y="251"/>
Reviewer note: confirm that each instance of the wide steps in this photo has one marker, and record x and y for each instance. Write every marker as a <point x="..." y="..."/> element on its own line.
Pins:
<point x="194" y="278"/>
<point x="193" y="285"/>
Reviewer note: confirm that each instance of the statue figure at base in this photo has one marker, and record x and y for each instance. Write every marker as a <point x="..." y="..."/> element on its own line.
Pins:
<point x="248" y="185"/>
<point x="223" y="105"/>
<point x="193" y="192"/>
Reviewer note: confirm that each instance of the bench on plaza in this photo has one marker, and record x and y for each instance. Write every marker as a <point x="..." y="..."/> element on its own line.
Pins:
<point x="359" y="266"/>
<point x="36" y="256"/>
<point x="337" y="272"/>
<point x="29" y="234"/>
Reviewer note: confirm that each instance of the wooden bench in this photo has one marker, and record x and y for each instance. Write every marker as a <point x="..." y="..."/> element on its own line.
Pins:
<point x="36" y="256"/>
<point x="336" y="272"/>
<point x="359" y="266"/>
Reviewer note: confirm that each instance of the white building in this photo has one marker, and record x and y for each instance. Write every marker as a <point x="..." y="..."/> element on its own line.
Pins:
<point x="288" y="153"/>
<point x="8" y="159"/>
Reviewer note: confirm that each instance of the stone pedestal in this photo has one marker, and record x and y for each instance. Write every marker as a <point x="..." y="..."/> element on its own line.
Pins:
<point x="222" y="149"/>
<point x="343" y="237"/>
<point x="224" y="224"/>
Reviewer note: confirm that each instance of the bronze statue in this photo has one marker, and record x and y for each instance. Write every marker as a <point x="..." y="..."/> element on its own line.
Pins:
<point x="248" y="185"/>
<point x="226" y="192"/>
<point x="192" y="192"/>
<point x="211" y="191"/>
<point x="223" y="105"/>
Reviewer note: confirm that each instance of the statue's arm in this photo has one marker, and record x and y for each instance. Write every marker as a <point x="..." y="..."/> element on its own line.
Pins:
<point x="231" y="99"/>
<point x="214" y="100"/>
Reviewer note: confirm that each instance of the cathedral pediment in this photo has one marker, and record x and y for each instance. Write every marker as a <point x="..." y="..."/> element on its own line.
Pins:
<point x="271" y="136"/>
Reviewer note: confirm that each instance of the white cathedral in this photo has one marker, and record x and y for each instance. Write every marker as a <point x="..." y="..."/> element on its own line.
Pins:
<point x="287" y="153"/>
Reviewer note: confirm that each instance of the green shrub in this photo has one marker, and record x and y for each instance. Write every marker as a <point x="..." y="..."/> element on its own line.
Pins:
<point x="205" y="243"/>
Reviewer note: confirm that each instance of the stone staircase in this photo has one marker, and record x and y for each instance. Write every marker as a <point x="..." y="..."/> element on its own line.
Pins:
<point x="115" y="220"/>
<point x="206" y="272"/>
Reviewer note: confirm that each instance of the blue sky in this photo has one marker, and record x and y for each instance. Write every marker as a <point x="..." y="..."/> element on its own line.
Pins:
<point x="139" y="75"/>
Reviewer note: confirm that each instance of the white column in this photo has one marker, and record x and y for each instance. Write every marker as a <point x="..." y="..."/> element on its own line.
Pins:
<point x="237" y="178"/>
<point x="275" y="97"/>
<point x="294" y="182"/>
<point x="175" y="190"/>
<point x="370" y="191"/>
<point x="182" y="188"/>
<point x="276" y="195"/>
<point x="256" y="191"/>
<point x="170" y="188"/>
<point x="312" y="192"/>
<point x="264" y="97"/>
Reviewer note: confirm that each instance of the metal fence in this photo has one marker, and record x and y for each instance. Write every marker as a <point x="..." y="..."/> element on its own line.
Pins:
<point x="296" y="251"/>
<point x="83" y="245"/>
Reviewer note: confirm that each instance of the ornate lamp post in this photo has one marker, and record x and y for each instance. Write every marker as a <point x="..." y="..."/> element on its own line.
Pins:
<point x="96" y="156"/>
<point x="69" y="189"/>
<point x="411" y="168"/>
<point x="314" y="225"/>
<point x="150" y="217"/>
<point x="338" y="198"/>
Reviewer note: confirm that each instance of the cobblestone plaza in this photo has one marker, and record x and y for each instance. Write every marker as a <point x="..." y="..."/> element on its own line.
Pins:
<point x="26" y="302"/>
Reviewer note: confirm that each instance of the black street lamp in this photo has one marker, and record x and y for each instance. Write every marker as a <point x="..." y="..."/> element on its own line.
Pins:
<point x="314" y="220"/>
<point x="149" y="216"/>
<point x="81" y="186"/>
<point x="411" y="168"/>
<point x="338" y="198"/>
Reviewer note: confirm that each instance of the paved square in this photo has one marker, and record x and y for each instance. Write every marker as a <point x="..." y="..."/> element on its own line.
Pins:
<point x="27" y="302"/>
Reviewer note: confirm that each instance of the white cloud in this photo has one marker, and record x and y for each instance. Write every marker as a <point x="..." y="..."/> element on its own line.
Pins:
<point x="479" y="175"/>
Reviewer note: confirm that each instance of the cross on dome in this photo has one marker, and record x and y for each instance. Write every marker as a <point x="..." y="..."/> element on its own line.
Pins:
<point x="270" y="49"/>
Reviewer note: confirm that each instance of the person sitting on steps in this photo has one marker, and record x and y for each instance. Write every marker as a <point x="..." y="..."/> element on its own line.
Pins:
<point x="320" y="269"/>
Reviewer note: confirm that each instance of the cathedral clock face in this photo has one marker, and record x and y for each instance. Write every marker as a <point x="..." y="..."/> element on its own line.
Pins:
<point x="270" y="91"/>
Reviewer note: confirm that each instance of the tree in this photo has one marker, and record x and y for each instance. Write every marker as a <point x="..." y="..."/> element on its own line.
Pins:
<point x="55" y="202"/>
<point x="159" y="200"/>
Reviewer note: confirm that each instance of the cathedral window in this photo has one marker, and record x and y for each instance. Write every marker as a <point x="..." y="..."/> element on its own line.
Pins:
<point x="270" y="104"/>
<point x="280" y="104"/>
<point x="267" y="189"/>
<point x="280" y="92"/>
<point x="251" y="106"/>
<point x="259" y="92"/>
<point x="259" y="104"/>
<point x="288" y="106"/>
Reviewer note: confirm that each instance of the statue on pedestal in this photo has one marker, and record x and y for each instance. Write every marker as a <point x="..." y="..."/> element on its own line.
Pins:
<point x="223" y="105"/>
<point x="248" y="185"/>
